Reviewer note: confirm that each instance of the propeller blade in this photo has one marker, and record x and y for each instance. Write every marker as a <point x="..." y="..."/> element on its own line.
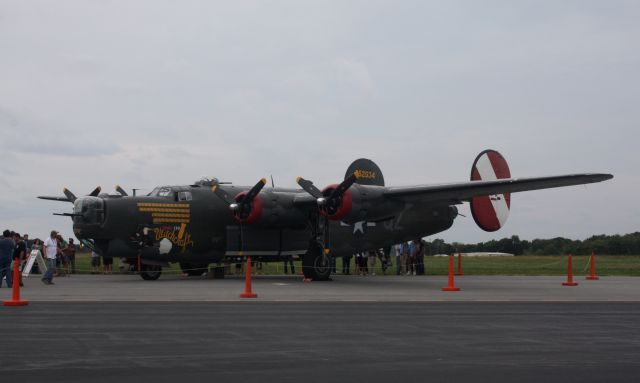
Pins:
<point x="95" y="192"/>
<point x="222" y="195"/>
<point x="121" y="191"/>
<point x="253" y="192"/>
<point x="70" y="196"/>
<point x="308" y="186"/>
<point x="343" y="187"/>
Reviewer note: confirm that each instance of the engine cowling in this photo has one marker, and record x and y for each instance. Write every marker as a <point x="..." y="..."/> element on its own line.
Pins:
<point x="270" y="209"/>
<point x="360" y="203"/>
<point x="251" y="212"/>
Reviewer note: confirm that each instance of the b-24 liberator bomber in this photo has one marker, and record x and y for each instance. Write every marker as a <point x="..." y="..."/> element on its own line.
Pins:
<point x="209" y="221"/>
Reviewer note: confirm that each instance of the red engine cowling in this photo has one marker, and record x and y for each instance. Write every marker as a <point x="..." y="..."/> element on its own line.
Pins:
<point x="343" y="206"/>
<point x="359" y="203"/>
<point x="252" y="213"/>
<point x="271" y="209"/>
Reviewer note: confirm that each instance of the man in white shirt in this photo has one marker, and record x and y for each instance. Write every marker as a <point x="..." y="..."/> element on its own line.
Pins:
<point x="50" y="248"/>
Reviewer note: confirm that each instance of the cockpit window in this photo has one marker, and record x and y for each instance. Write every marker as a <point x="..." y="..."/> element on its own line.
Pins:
<point x="184" y="196"/>
<point x="164" y="192"/>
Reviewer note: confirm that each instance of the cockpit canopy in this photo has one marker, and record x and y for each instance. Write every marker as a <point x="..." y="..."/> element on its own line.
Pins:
<point x="174" y="193"/>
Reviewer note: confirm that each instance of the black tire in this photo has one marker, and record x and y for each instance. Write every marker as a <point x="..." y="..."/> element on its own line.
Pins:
<point x="150" y="272"/>
<point x="316" y="265"/>
<point x="193" y="270"/>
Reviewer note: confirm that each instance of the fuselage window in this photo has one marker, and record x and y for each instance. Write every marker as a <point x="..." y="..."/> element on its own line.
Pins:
<point x="184" y="196"/>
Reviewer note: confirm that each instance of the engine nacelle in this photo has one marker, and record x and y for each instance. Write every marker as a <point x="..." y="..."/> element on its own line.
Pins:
<point x="271" y="208"/>
<point x="361" y="203"/>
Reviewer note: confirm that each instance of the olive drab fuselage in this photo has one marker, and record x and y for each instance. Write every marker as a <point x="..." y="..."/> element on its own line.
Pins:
<point x="191" y="224"/>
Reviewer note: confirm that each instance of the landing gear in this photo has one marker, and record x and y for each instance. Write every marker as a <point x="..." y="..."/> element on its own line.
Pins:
<point x="150" y="272"/>
<point x="194" y="269"/>
<point x="316" y="265"/>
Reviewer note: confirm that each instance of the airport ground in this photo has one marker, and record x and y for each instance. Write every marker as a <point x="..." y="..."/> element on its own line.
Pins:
<point x="105" y="328"/>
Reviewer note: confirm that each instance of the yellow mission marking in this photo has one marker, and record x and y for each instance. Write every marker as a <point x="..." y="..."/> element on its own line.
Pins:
<point x="157" y="210"/>
<point x="170" y="220"/>
<point x="170" y="205"/>
<point x="181" y="216"/>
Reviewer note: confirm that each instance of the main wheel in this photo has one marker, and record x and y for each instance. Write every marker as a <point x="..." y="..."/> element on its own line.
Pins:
<point x="316" y="264"/>
<point x="150" y="272"/>
<point x="194" y="270"/>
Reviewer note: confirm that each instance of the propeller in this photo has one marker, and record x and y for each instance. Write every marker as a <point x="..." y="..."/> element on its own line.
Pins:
<point x="95" y="192"/>
<point x="328" y="203"/>
<point x="242" y="208"/>
<point x="309" y="187"/>
<point x="70" y="196"/>
<point x="121" y="191"/>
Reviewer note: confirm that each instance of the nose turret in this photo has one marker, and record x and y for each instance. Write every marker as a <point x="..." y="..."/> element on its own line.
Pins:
<point x="89" y="214"/>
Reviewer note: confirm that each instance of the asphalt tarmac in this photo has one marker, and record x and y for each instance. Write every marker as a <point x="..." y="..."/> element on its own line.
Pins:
<point x="318" y="338"/>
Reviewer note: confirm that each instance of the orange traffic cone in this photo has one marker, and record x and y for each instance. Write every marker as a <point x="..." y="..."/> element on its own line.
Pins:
<point x="570" y="281"/>
<point x="15" y="299"/>
<point x="451" y="286"/>
<point x="592" y="268"/>
<point x="247" y="282"/>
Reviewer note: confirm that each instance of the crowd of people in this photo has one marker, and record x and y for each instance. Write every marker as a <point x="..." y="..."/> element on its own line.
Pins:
<point x="59" y="255"/>
<point x="408" y="257"/>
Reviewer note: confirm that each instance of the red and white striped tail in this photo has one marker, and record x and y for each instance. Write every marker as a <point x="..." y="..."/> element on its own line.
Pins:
<point x="490" y="212"/>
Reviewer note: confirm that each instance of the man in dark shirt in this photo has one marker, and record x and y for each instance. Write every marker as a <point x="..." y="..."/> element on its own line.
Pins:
<point x="6" y="253"/>
<point x="19" y="253"/>
<point x="69" y="254"/>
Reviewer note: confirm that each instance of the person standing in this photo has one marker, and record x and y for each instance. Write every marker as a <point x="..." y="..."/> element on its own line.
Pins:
<point x="27" y="244"/>
<point x="107" y="264"/>
<point x="95" y="263"/>
<point x="358" y="264"/>
<point x="364" y="267"/>
<point x="404" y="254"/>
<point x="50" y="248"/>
<point x="420" y="256"/>
<point x="6" y="252"/>
<point x="288" y="261"/>
<point x="411" y="259"/>
<point x="346" y="264"/>
<point x="373" y="256"/>
<point x="19" y="254"/>
<point x="70" y="257"/>
<point x="397" y="252"/>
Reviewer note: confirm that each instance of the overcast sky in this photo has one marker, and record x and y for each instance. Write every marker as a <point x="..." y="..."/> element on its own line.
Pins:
<point x="142" y="93"/>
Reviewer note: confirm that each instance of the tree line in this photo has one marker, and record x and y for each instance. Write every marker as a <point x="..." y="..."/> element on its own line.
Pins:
<point x="628" y="244"/>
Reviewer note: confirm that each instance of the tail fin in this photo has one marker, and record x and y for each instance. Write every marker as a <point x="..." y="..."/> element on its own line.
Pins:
<point x="366" y="171"/>
<point x="490" y="212"/>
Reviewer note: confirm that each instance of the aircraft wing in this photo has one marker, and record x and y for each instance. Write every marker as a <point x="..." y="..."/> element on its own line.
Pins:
<point x="456" y="193"/>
